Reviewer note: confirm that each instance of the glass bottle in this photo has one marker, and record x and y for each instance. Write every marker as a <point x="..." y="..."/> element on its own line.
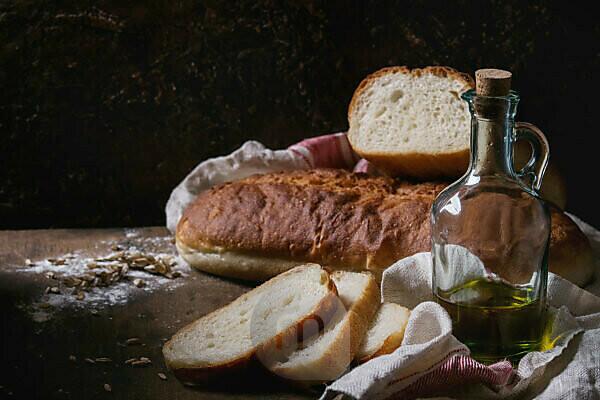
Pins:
<point x="490" y="232"/>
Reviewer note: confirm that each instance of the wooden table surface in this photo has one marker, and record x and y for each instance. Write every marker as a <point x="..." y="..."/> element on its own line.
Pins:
<point x="35" y="355"/>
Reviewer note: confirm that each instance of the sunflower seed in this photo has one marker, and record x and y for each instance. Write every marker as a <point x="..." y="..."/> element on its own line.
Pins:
<point x="139" y="283"/>
<point x="54" y="289"/>
<point x="141" y="363"/>
<point x="133" y="341"/>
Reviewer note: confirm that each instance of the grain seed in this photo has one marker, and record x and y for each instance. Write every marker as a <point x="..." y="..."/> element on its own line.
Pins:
<point x="139" y="283"/>
<point x="103" y="360"/>
<point x="90" y="361"/>
<point x="107" y="387"/>
<point x="133" y="341"/>
<point x="72" y="358"/>
<point x="162" y="376"/>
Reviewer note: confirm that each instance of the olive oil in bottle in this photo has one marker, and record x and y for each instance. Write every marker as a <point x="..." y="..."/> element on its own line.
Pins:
<point x="490" y="231"/>
<point x="494" y="319"/>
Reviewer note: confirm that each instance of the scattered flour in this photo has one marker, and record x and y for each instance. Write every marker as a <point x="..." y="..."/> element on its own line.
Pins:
<point x="72" y="266"/>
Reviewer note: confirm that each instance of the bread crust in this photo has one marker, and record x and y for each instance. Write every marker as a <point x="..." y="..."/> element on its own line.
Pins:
<point x="343" y="220"/>
<point x="434" y="166"/>
<point x="191" y="375"/>
<point x="332" y="217"/>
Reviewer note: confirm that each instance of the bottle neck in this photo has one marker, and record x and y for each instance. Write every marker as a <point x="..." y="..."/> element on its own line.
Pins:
<point x="492" y="124"/>
<point x="491" y="146"/>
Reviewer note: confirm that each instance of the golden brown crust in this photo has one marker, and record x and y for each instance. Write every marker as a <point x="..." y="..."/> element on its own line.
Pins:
<point x="570" y="250"/>
<point x="362" y="315"/>
<point x="336" y="218"/>
<point x="436" y="166"/>
<point x="333" y="217"/>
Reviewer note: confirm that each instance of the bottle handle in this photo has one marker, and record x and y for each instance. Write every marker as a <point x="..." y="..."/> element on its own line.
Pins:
<point x="533" y="172"/>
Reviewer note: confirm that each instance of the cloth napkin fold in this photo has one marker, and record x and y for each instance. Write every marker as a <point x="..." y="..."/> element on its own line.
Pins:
<point x="431" y="360"/>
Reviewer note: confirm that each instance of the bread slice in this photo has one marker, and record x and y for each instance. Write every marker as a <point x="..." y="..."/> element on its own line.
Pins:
<point x="288" y="308"/>
<point x="385" y="333"/>
<point x="328" y="355"/>
<point x="412" y="122"/>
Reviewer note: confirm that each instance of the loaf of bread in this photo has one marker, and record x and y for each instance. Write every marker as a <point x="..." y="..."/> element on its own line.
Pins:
<point x="259" y="226"/>
<point x="291" y="307"/>
<point x="412" y="123"/>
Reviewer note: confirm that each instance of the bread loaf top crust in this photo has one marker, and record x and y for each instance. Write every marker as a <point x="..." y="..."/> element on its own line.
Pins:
<point x="340" y="219"/>
<point x="334" y="217"/>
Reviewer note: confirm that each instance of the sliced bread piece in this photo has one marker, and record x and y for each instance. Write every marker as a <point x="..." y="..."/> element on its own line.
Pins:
<point x="412" y="122"/>
<point x="294" y="305"/>
<point x="385" y="333"/>
<point x="327" y="356"/>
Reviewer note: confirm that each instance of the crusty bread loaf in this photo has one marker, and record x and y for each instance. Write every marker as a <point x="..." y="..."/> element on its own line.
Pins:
<point x="328" y="355"/>
<point x="385" y="333"/>
<point x="343" y="220"/>
<point x="413" y="124"/>
<point x="290" y="307"/>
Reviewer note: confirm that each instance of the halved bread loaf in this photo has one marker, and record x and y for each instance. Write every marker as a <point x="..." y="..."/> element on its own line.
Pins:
<point x="290" y="307"/>
<point x="412" y="122"/>
<point x="327" y="356"/>
<point x="385" y="333"/>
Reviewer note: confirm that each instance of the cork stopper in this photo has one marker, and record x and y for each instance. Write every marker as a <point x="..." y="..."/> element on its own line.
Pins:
<point x="492" y="82"/>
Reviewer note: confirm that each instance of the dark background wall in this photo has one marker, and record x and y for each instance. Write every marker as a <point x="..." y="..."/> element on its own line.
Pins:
<point x="106" y="105"/>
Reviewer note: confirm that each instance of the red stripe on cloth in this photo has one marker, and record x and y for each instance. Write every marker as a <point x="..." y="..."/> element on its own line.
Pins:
<point x="456" y="371"/>
<point x="299" y="153"/>
<point x="327" y="151"/>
